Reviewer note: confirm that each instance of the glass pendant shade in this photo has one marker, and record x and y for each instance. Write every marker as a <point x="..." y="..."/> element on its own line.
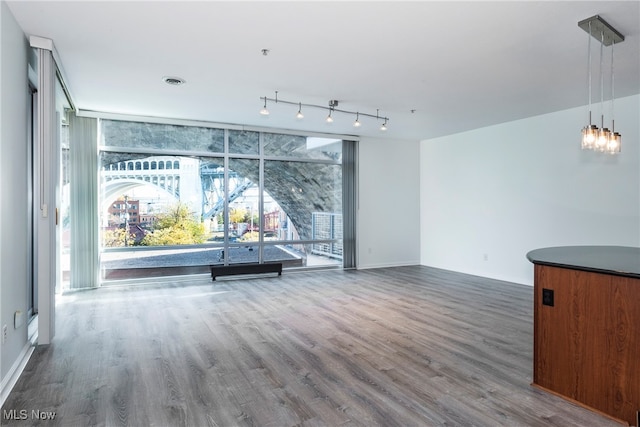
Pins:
<point x="589" y="135"/>
<point x="614" y="144"/>
<point x="602" y="139"/>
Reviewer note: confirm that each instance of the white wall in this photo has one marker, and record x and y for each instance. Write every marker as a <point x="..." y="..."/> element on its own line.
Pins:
<point x="504" y="190"/>
<point x="389" y="203"/>
<point x="13" y="185"/>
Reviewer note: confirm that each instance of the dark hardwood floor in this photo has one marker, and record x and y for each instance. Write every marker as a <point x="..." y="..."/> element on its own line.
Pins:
<point x="405" y="346"/>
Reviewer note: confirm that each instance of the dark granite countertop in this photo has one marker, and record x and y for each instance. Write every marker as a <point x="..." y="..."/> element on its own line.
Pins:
<point x="616" y="260"/>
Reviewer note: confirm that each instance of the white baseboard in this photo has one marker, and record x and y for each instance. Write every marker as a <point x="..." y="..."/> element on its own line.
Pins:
<point x="387" y="265"/>
<point x="10" y="380"/>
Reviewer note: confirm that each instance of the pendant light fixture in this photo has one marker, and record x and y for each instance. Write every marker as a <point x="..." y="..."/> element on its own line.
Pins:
<point x="357" y="123"/>
<point x="299" y="114"/>
<point x="603" y="139"/>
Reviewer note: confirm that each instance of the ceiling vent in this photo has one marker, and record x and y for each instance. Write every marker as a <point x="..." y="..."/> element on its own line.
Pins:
<point x="175" y="81"/>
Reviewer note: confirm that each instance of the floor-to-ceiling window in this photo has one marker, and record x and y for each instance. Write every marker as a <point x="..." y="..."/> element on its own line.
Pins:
<point x="176" y="199"/>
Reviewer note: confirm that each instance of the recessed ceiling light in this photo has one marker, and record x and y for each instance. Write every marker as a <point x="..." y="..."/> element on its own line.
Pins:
<point x="175" y="81"/>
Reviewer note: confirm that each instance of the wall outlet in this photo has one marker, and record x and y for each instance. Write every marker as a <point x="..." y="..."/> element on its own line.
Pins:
<point x="5" y="331"/>
<point x="547" y="297"/>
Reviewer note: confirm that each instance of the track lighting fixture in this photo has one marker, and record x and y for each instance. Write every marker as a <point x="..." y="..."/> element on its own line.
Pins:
<point x="603" y="139"/>
<point x="333" y="104"/>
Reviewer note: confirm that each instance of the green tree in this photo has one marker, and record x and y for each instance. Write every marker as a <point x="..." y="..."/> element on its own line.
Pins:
<point x="176" y="226"/>
<point x="255" y="219"/>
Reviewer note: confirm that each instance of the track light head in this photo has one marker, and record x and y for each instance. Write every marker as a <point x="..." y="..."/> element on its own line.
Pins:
<point x="357" y="123"/>
<point x="264" y="111"/>
<point x="329" y="119"/>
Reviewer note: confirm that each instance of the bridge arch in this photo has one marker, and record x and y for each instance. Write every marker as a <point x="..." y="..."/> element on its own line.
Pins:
<point x="114" y="188"/>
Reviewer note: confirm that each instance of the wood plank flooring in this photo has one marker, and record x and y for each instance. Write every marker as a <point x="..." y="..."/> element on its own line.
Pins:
<point x="404" y="346"/>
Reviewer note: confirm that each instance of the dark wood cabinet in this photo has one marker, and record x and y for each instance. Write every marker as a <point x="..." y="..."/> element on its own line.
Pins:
<point x="587" y="338"/>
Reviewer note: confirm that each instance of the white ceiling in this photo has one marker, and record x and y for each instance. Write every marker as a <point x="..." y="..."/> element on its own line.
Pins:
<point x="459" y="65"/>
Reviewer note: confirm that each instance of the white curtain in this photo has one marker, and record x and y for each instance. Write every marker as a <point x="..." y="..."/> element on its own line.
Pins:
<point x="83" y="214"/>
